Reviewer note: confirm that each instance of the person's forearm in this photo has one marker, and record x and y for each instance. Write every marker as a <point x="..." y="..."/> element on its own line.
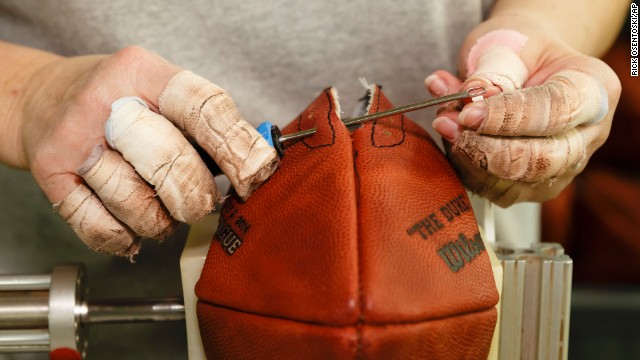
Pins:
<point x="589" y="27"/>
<point x="17" y="64"/>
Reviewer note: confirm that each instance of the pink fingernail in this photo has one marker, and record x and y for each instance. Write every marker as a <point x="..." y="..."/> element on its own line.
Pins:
<point x="447" y="128"/>
<point x="435" y="85"/>
<point x="473" y="114"/>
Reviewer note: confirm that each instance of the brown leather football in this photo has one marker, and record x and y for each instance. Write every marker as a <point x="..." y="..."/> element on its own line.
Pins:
<point x="363" y="245"/>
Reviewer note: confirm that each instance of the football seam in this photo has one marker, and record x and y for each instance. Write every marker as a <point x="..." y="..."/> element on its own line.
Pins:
<point x="333" y="131"/>
<point x="375" y="123"/>
<point x="354" y="324"/>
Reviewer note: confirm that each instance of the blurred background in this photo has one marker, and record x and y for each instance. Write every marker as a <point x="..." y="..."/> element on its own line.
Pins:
<point x="597" y="220"/>
<point x="44" y="240"/>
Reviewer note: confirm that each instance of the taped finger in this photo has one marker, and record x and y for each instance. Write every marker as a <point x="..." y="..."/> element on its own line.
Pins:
<point x="125" y="194"/>
<point x="504" y="192"/>
<point x="567" y="99"/>
<point x="495" y="59"/>
<point x="499" y="191"/>
<point x="523" y="158"/>
<point x="163" y="157"/>
<point x="207" y="113"/>
<point x="493" y="62"/>
<point x="95" y="226"/>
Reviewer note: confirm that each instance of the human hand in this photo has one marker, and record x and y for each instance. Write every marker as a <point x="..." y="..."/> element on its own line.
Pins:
<point x="547" y="109"/>
<point x="142" y="175"/>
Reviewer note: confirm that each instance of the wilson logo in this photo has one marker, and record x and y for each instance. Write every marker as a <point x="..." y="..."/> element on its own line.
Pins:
<point x="462" y="251"/>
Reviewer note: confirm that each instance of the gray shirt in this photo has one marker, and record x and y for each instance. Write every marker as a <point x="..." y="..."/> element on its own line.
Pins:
<point x="273" y="57"/>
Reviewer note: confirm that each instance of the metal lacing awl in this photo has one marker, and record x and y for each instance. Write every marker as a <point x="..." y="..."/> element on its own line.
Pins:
<point x="475" y="93"/>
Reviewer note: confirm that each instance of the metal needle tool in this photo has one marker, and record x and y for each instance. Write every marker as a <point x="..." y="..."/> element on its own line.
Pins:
<point x="474" y="92"/>
<point x="274" y="137"/>
<point x="469" y="93"/>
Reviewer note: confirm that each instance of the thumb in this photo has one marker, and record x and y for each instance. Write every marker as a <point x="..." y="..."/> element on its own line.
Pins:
<point x="494" y="61"/>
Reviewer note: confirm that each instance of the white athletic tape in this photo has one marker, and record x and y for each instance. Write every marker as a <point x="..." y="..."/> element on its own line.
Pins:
<point x="495" y="56"/>
<point x="95" y="226"/>
<point x="126" y="195"/>
<point x="566" y="100"/>
<point x="163" y="157"/>
<point x="523" y="159"/>
<point x="501" y="66"/>
<point x="207" y="113"/>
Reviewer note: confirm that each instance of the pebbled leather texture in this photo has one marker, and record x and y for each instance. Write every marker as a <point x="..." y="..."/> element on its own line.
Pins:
<point x="362" y="245"/>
